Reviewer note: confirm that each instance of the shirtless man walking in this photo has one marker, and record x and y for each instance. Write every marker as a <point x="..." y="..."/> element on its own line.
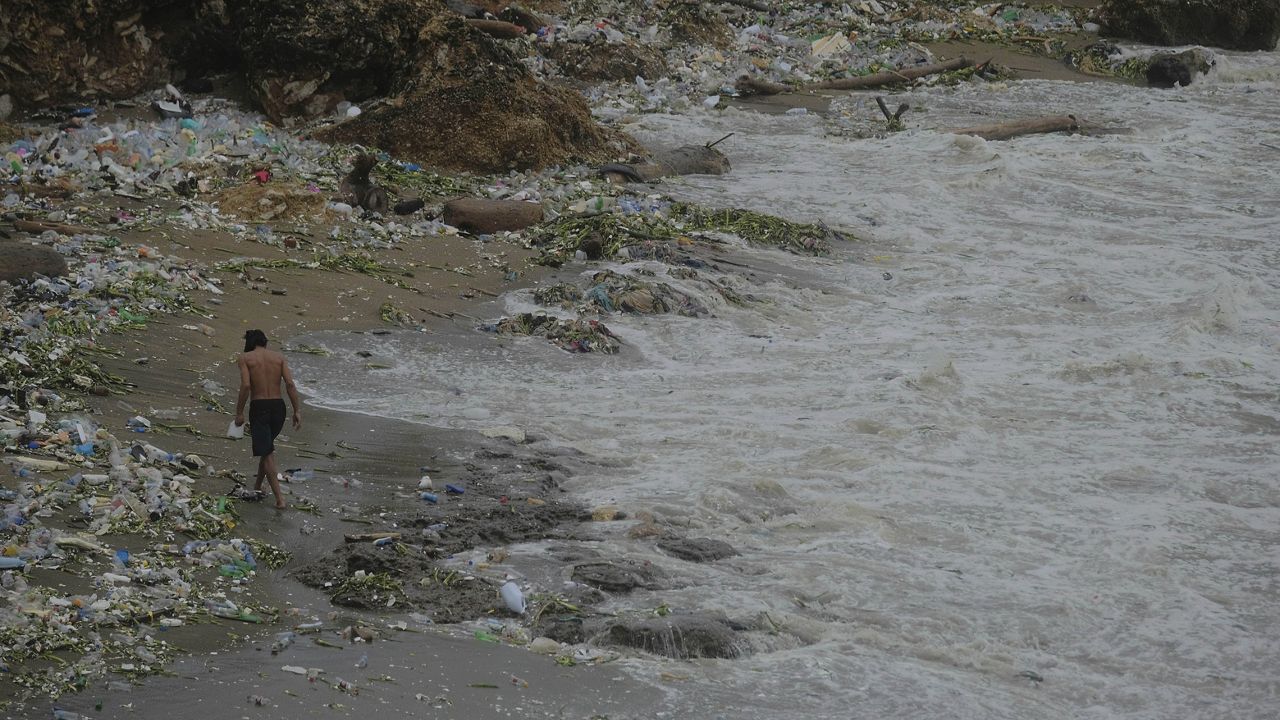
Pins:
<point x="261" y="372"/>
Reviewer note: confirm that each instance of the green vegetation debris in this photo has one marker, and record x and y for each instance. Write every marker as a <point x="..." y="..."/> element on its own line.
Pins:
<point x="357" y="262"/>
<point x="757" y="228"/>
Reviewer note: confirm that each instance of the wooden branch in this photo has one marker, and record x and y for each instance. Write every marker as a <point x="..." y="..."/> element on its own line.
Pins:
<point x="497" y="28"/>
<point x="894" y="117"/>
<point x="890" y="77"/>
<point x="748" y="85"/>
<point x="35" y="228"/>
<point x="750" y="4"/>
<point x="1018" y="128"/>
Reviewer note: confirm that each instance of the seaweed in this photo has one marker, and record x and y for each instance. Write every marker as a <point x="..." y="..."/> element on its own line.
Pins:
<point x="757" y="228"/>
<point x="357" y="262"/>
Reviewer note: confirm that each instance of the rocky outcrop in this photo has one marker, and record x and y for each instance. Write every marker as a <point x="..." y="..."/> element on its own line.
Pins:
<point x="1231" y="24"/>
<point x="20" y="261"/>
<point x="471" y="105"/>
<point x="678" y="636"/>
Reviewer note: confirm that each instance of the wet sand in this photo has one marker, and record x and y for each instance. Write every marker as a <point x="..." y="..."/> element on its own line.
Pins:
<point x="229" y="661"/>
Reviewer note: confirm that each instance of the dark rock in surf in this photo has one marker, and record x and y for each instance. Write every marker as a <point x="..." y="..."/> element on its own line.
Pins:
<point x="617" y="577"/>
<point x="696" y="549"/>
<point x="1168" y="70"/>
<point x="678" y="636"/>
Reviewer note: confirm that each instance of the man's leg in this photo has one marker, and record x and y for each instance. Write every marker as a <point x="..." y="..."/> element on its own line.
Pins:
<point x="270" y="462"/>
<point x="262" y="473"/>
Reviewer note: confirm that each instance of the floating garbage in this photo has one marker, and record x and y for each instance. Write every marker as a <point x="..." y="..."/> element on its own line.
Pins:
<point x="576" y="335"/>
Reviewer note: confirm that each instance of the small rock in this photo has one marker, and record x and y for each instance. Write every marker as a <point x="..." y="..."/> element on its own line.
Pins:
<point x="544" y="646"/>
<point x="408" y="207"/>
<point x="605" y="513"/>
<point x="512" y="433"/>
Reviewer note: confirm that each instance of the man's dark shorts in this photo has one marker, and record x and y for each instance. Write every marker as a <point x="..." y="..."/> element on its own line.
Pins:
<point x="266" y="419"/>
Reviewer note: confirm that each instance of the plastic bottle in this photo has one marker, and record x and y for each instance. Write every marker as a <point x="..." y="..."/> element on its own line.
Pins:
<point x="430" y="497"/>
<point x="283" y="640"/>
<point x="512" y="597"/>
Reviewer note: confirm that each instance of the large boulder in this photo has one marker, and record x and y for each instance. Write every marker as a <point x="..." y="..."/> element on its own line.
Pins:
<point x="20" y="261"/>
<point x="1168" y="69"/>
<point x="1231" y="24"/>
<point x="471" y="105"/>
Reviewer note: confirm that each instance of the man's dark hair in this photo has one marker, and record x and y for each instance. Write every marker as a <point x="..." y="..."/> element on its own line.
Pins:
<point x="254" y="339"/>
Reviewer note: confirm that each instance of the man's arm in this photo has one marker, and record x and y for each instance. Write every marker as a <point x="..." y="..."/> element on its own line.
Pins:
<point x="246" y="384"/>
<point x="292" y="390"/>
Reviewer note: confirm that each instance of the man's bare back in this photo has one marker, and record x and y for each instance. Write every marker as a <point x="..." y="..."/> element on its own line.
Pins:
<point x="266" y="369"/>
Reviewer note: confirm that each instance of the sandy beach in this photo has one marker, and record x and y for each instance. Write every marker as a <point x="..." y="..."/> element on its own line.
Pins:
<point x="166" y="367"/>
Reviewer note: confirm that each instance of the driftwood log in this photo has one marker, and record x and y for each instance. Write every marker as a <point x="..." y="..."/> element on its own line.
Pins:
<point x="36" y="227"/>
<point x="684" y="160"/>
<point x="1018" y="128"/>
<point x="497" y="28"/>
<point x="751" y="86"/>
<point x="481" y="217"/>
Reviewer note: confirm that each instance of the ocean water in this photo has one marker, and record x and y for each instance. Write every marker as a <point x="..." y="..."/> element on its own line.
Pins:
<point x="1011" y="454"/>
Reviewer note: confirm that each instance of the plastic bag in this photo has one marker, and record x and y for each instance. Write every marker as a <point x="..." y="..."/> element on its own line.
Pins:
<point x="234" y="431"/>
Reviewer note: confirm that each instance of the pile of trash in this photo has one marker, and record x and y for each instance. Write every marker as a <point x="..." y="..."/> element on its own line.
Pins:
<point x="77" y="488"/>
<point x="575" y="336"/>
<point x="709" y="46"/>
<point x="49" y="325"/>
<point x="611" y="292"/>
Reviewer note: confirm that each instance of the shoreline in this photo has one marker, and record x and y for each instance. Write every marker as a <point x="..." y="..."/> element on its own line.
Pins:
<point x="363" y="468"/>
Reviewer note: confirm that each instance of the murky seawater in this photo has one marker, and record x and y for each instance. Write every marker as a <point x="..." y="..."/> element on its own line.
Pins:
<point x="1013" y="455"/>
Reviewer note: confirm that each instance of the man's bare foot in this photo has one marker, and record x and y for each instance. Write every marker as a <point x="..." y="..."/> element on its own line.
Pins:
<point x="281" y="506"/>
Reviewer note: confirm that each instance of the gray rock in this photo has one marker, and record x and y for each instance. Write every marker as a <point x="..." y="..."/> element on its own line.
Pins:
<point x="20" y="261"/>
<point x="678" y="636"/>
<point x="696" y="549"/>
<point x="619" y="577"/>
